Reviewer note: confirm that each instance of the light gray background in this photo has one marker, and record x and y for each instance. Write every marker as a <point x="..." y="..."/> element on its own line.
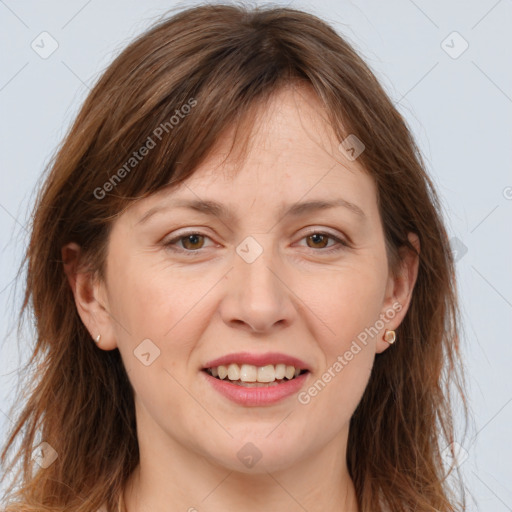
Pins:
<point x="458" y="108"/>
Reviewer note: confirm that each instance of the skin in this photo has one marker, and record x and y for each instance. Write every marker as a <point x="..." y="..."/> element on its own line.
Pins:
<point x="199" y="308"/>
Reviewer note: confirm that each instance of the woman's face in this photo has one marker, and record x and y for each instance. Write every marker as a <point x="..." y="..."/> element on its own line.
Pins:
<point x="258" y="280"/>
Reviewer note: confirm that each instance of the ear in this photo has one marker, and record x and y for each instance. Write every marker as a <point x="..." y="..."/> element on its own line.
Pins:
<point x="399" y="290"/>
<point x="90" y="298"/>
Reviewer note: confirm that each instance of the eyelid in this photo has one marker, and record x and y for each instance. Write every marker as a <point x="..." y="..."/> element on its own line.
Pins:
<point x="322" y="231"/>
<point x="168" y="242"/>
<point x="342" y="241"/>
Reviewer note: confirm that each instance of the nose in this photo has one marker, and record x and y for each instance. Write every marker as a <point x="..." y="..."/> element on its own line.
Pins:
<point x="257" y="298"/>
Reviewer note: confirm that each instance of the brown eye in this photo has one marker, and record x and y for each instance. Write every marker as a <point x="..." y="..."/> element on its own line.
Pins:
<point x="319" y="240"/>
<point x="192" y="241"/>
<point x="191" y="244"/>
<point x="188" y="243"/>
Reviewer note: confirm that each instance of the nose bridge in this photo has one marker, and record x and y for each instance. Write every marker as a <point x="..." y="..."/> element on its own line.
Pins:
<point x="259" y="298"/>
<point x="256" y="263"/>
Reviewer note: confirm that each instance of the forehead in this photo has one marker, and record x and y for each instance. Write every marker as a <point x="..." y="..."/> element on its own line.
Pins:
<point x="289" y="131"/>
<point x="292" y="155"/>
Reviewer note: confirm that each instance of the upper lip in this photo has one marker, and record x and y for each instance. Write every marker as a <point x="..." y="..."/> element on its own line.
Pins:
<point x="257" y="360"/>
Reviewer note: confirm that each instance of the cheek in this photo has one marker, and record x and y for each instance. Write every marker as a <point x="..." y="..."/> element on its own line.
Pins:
<point x="351" y="311"/>
<point x="154" y="300"/>
<point x="162" y="316"/>
<point x="351" y="305"/>
<point x="156" y="323"/>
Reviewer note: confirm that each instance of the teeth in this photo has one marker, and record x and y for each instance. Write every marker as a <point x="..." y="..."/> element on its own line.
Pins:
<point x="280" y="371"/>
<point x="222" y="370"/>
<point x="290" y="372"/>
<point x="233" y="372"/>
<point x="266" y="373"/>
<point x="248" y="373"/>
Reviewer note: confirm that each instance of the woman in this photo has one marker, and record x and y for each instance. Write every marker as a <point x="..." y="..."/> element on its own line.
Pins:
<point x="243" y="289"/>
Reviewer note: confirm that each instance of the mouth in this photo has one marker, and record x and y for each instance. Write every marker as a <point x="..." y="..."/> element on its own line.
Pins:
<point x="251" y="376"/>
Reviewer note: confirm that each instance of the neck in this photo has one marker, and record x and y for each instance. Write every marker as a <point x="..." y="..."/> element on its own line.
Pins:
<point x="236" y="491"/>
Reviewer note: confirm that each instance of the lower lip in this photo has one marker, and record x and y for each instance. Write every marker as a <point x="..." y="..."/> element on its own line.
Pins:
<point x="257" y="396"/>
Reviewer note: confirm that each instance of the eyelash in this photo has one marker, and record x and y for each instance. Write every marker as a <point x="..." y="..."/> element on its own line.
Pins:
<point x="341" y="244"/>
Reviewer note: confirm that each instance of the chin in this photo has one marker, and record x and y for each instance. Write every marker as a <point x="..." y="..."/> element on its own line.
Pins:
<point x="255" y="454"/>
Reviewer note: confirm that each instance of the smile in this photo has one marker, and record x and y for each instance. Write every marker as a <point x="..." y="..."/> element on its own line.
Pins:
<point x="256" y="385"/>
<point x="249" y="375"/>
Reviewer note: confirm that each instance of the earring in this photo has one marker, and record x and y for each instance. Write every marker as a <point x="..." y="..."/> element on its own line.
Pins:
<point x="389" y="337"/>
<point x="97" y="340"/>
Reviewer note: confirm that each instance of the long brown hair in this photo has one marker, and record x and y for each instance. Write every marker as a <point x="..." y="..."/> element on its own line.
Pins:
<point x="222" y="61"/>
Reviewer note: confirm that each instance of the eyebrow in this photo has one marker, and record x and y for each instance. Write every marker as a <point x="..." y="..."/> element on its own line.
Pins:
<point x="217" y="209"/>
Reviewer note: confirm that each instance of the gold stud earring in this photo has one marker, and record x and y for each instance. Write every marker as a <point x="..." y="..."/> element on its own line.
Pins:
<point x="97" y="339"/>
<point x="389" y="336"/>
